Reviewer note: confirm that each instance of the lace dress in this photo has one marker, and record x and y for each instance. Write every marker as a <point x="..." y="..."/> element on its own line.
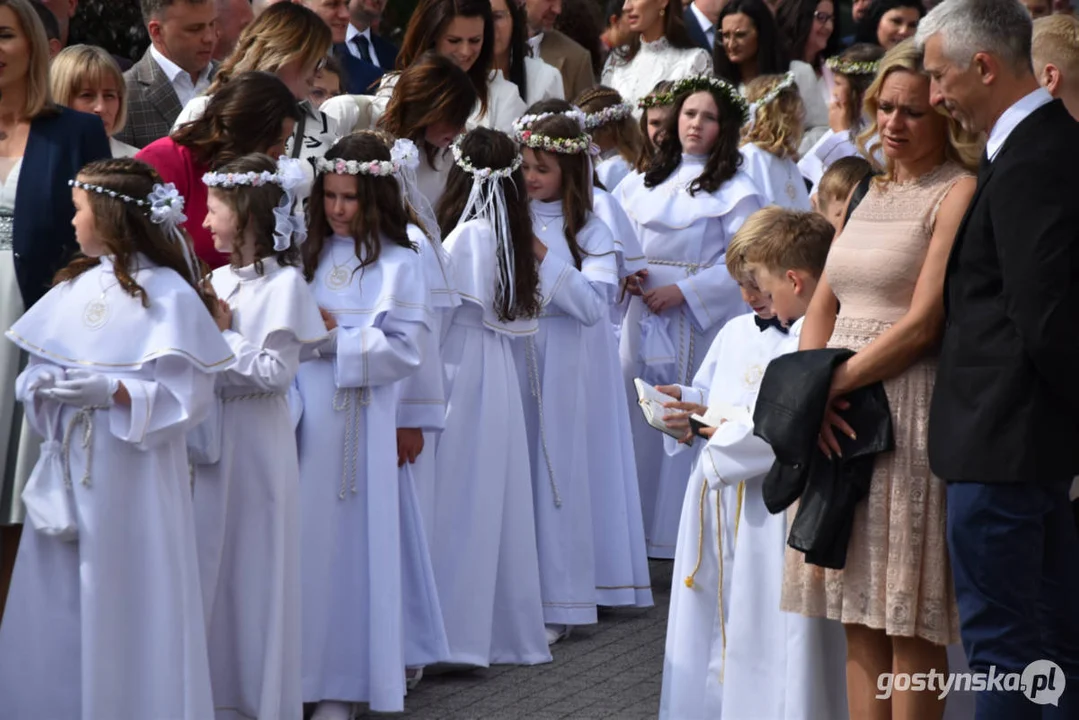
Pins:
<point x="655" y="61"/>
<point x="897" y="576"/>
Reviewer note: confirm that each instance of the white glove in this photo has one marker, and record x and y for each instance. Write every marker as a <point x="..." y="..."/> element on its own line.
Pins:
<point x="84" y="389"/>
<point x="42" y="376"/>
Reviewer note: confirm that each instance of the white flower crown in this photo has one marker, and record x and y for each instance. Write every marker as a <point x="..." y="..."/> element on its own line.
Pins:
<point x="614" y="113"/>
<point x="165" y="202"/>
<point x="289" y="176"/>
<point x="483" y="173"/>
<point x="403" y="156"/>
<point x="522" y="129"/>
<point x="707" y="83"/>
<point x="771" y="96"/>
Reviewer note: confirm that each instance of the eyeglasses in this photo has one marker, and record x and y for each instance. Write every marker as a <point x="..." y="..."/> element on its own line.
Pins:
<point x="736" y="36"/>
<point x="823" y="18"/>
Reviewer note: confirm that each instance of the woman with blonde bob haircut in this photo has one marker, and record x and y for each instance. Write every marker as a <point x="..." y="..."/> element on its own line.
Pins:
<point x="291" y="42"/>
<point x="42" y="146"/>
<point x="87" y="79"/>
<point x="882" y="296"/>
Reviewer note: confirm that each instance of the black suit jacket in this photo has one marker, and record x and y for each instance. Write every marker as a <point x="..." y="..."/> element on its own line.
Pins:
<point x="361" y="78"/>
<point x="1006" y="403"/>
<point x="696" y="32"/>
<point x="60" y="143"/>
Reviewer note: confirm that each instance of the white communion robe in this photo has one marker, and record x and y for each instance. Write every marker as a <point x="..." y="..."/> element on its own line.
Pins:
<point x="350" y="562"/>
<point x="685" y="240"/>
<point x="110" y="626"/>
<point x="778" y="179"/>
<point x="247" y="517"/>
<point x="613" y="170"/>
<point x="483" y="533"/>
<point x="549" y="366"/>
<point x="622" y="577"/>
<point x="422" y="404"/>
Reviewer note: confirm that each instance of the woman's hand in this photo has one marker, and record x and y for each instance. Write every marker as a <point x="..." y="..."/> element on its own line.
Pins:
<point x="409" y="445"/>
<point x="827" y="441"/>
<point x="222" y="315"/>
<point x="664" y="298"/>
<point x="328" y="318"/>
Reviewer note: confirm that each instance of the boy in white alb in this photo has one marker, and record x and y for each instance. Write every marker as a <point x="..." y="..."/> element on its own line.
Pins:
<point x="740" y="662"/>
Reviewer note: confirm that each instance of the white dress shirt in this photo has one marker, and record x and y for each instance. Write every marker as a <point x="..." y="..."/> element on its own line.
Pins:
<point x="535" y="41"/>
<point x="180" y="79"/>
<point x="706" y="25"/>
<point x="1011" y="118"/>
<point x="351" y="34"/>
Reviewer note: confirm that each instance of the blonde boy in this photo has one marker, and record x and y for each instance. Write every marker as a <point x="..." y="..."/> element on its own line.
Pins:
<point x="1055" y="52"/>
<point x="835" y="187"/>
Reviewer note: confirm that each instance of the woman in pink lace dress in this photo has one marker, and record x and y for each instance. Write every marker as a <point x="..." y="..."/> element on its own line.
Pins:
<point x="882" y="296"/>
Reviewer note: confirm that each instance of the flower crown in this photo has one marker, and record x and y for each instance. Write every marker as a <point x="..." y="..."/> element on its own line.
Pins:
<point x="483" y="173"/>
<point x="852" y="67"/>
<point x="522" y="129"/>
<point x="166" y="205"/>
<point x="710" y="83"/>
<point x="403" y="156"/>
<point x="771" y="96"/>
<point x="614" y="113"/>
<point x="289" y="176"/>
<point x="655" y="99"/>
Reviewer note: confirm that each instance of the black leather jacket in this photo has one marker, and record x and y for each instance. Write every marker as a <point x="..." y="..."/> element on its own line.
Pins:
<point x="790" y="406"/>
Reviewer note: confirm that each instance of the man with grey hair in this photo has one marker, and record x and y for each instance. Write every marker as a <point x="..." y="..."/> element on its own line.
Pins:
<point x="1004" y="420"/>
<point x="232" y="17"/>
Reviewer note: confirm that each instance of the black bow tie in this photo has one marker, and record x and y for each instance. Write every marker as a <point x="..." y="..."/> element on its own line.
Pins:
<point x="772" y="322"/>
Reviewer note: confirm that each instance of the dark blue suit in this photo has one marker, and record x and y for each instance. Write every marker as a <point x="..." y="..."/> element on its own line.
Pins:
<point x="696" y="32"/>
<point x="361" y="78"/>
<point x="59" y="145"/>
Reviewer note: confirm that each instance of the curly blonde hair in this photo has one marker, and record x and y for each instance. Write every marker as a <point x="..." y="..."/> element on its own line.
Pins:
<point x="778" y="126"/>
<point x="962" y="147"/>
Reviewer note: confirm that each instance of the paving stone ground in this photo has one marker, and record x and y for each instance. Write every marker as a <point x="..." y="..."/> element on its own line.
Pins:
<point x="609" y="670"/>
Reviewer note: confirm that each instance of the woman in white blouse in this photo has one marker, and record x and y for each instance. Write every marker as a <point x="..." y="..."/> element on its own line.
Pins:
<point x="660" y="50"/>
<point x="535" y="79"/>
<point x="463" y="31"/>
<point x="808" y="27"/>
<point x="87" y="79"/>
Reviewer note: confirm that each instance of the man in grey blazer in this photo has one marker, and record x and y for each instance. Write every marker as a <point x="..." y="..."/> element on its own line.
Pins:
<point x="177" y="67"/>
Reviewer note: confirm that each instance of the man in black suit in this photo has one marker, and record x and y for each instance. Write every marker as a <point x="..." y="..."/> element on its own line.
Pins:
<point x="1004" y="420"/>
<point x="365" y="55"/>
<point x="701" y="17"/>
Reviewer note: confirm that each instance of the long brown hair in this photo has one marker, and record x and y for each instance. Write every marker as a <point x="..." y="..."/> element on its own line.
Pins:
<point x="431" y="18"/>
<point x="432" y="90"/>
<point x="487" y="148"/>
<point x="254" y="208"/>
<point x="724" y="159"/>
<point x="648" y="150"/>
<point x="674" y="29"/>
<point x="284" y="33"/>
<point x="126" y="229"/>
<point x="381" y="217"/>
<point x="624" y="134"/>
<point x="577" y="180"/>
<point x="244" y="117"/>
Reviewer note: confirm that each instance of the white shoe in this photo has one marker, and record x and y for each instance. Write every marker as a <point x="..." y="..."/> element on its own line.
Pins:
<point x="413" y="677"/>
<point x="333" y="710"/>
<point x="556" y="633"/>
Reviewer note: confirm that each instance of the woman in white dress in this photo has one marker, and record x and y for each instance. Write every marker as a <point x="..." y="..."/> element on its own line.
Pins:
<point x="614" y="130"/>
<point x="535" y="79"/>
<point x="578" y="280"/>
<point x="770" y="141"/>
<point x="289" y="41"/>
<point x="483" y="536"/>
<point x="463" y="31"/>
<point x="431" y="104"/>
<point x="808" y="28"/>
<point x="748" y="43"/>
<point x="105" y="618"/>
<point x="86" y="78"/>
<point x="368" y="278"/>
<point x="660" y="49"/>
<point x="247" y="517"/>
<point x="853" y="71"/>
<point x="685" y="209"/>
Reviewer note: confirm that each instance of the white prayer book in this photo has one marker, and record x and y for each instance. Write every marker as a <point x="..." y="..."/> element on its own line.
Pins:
<point x="651" y="402"/>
